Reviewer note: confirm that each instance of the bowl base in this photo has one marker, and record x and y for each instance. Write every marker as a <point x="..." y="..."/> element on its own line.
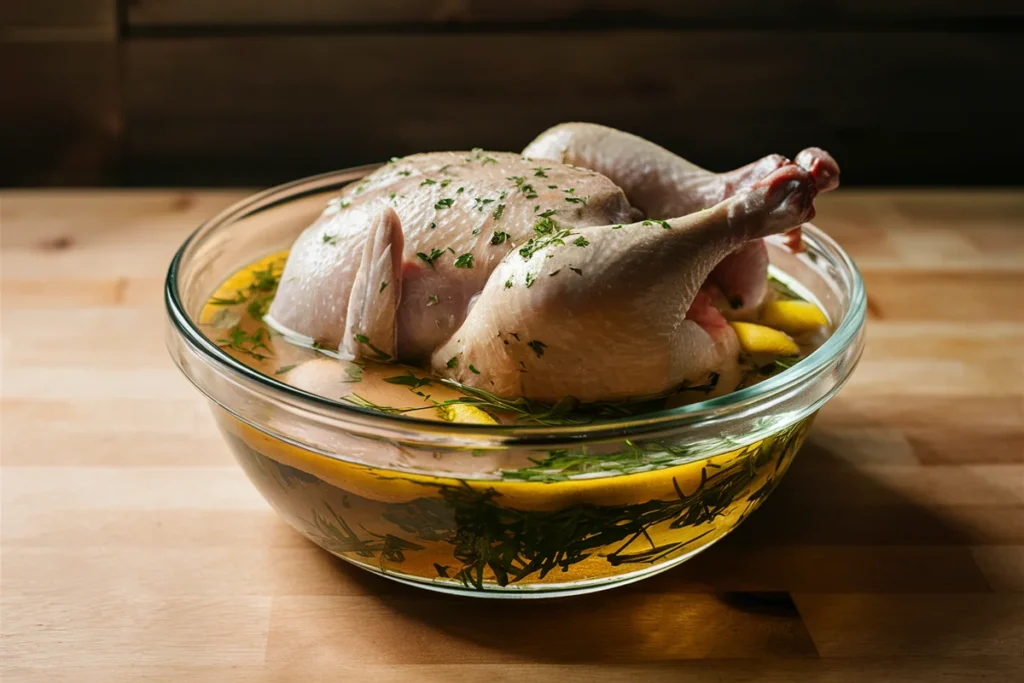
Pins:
<point x="530" y="591"/>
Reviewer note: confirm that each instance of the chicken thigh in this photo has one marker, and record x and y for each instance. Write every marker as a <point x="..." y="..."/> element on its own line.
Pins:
<point x="537" y="278"/>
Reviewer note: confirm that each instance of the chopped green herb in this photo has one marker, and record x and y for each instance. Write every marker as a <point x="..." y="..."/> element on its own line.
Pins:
<point x="381" y="355"/>
<point x="406" y="173"/>
<point x="444" y="203"/>
<point x="452" y="362"/>
<point x="283" y="369"/>
<point x="480" y="204"/>
<point x="382" y="286"/>
<point x="241" y="341"/>
<point x="428" y="181"/>
<point x="432" y="300"/>
<point x="539" y="172"/>
<point x="464" y="261"/>
<point x="433" y="256"/>
<point x="473" y="369"/>
<point x="581" y="242"/>
<point x="617" y="227"/>
<point x="576" y="270"/>
<point x="498" y="212"/>
<point x="433" y="225"/>
<point x="329" y="239"/>
<point x="408" y="380"/>
<point x="578" y="200"/>
<point x="508" y="283"/>
<point x="530" y="277"/>
<point x="537" y="346"/>
<point x="446" y="182"/>
<point x="391" y="196"/>
<point x="354" y="372"/>
<point x="549" y="213"/>
<point x="460" y="190"/>
<point x="499" y="237"/>
<point x="547" y="233"/>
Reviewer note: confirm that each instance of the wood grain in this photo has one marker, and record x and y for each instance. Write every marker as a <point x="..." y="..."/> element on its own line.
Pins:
<point x="134" y="549"/>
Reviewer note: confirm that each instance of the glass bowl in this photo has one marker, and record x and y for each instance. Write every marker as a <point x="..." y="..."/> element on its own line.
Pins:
<point x="501" y="510"/>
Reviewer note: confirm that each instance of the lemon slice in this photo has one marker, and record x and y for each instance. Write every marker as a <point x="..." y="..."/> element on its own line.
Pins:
<point x="465" y="414"/>
<point x="793" y="317"/>
<point x="760" y="339"/>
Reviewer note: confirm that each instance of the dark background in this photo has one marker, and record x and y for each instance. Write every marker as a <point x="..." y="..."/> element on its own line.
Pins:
<point x="226" y="92"/>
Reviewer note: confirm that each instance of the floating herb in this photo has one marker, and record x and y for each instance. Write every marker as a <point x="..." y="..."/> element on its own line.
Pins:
<point x="464" y="261"/>
<point x="365" y="341"/>
<point x="248" y="344"/>
<point x="408" y="380"/>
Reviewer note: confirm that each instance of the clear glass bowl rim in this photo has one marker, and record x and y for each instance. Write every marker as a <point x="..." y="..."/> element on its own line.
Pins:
<point x="746" y="401"/>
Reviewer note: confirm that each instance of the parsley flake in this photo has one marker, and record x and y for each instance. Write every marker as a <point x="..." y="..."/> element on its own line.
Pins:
<point x="433" y="256"/>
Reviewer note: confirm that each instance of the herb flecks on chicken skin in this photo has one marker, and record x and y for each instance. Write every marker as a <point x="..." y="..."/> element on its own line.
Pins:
<point x="590" y="266"/>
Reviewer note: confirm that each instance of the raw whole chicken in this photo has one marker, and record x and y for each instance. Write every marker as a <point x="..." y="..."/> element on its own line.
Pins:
<point x="590" y="266"/>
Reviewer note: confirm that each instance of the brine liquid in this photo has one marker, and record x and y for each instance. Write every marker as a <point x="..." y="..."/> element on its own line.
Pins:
<point x="512" y="533"/>
<point x="233" y="318"/>
<point x="561" y="519"/>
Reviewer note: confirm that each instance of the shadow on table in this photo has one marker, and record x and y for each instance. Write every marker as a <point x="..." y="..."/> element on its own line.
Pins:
<point x="832" y="527"/>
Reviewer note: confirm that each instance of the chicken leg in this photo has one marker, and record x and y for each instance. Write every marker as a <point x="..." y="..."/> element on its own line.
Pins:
<point x="600" y="312"/>
<point x="663" y="185"/>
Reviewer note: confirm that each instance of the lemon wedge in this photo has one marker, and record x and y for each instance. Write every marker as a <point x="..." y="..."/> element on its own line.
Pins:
<point x="465" y="414"/>
<point x="761" y="339"/>
<point x="793" y="317"/>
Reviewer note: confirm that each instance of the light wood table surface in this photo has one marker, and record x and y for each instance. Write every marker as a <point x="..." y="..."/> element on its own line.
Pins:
<point x="134" y="549"/>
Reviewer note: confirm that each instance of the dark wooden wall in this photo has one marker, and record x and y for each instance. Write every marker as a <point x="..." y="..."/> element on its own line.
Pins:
<point x="192" y="92"/>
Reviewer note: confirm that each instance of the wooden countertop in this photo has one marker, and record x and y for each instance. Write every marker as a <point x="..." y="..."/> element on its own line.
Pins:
<point x="133" y="548"/>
